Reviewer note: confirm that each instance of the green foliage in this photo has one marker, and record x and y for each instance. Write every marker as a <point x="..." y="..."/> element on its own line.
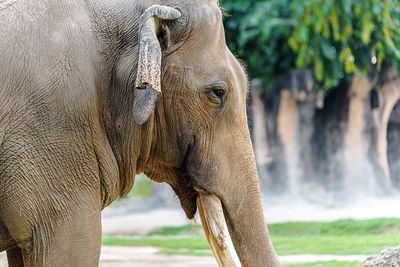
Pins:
<point x="333" y="38"/>
<point x="258" y="32"/>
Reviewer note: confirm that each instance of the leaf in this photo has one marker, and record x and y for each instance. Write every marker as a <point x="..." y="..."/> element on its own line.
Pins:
<point x="368" y="28"/>
<point x="346" y="34"/>
<point x="318" y="69"/>
<point x="293" y="43"/>
<point x="347" y="58"/>
<point x="304" y="33"/>
<point x="326" y="7"/>
<point x="333" y="19"/>
<point x="346" y="4"/>
<point x="327" y="49"/>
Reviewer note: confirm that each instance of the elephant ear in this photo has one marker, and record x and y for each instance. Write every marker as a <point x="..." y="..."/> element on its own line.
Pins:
<point x="148" y="80"/>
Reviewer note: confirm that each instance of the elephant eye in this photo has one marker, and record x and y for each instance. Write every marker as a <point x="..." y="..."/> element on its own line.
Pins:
<point x="217" y="95"/>
<point x="220" y="93"/>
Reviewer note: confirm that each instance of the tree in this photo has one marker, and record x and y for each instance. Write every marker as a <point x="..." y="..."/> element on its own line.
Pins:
<point x="334" y="39"/>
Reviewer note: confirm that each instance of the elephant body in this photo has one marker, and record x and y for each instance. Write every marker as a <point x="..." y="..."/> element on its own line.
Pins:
<point x="56" y="171"/>
<point x="69" y="142"/>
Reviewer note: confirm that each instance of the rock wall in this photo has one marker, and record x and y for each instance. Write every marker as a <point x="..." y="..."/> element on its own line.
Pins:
<point x="333" y="146"/>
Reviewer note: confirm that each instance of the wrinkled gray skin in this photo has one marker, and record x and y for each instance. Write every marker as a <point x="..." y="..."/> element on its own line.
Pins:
<point x="69" y="143"/>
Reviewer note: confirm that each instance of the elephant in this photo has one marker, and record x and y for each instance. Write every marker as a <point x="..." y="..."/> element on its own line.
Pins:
<point x="93" y="92"/>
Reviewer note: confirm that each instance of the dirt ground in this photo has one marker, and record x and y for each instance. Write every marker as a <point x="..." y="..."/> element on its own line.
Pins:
<point x="141" y="222"/>
<point x="150" y="257"/>
<point x="142" y="257"/>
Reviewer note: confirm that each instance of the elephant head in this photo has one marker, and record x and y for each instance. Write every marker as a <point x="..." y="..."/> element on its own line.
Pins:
<point x="190" y="106"/>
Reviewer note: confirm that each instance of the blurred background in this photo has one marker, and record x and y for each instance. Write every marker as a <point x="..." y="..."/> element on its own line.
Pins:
<point x="324" y="115"/>
<point x="324" y="108"/>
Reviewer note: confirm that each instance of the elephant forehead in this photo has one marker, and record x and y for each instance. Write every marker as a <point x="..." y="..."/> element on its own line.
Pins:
<point x="208" y="59"/>
<point x="206" y="16"/>
<point x="211" y="14"/>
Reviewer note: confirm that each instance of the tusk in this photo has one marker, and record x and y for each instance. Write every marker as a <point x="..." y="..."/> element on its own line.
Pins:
<point x="216" y="230"/>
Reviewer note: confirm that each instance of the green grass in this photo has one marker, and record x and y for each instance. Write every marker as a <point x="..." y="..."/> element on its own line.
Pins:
<point x="344" y="237"/>
<point x="190" y="229"/>
<point x="340" y="227"/>
<point x="334" y="245"/>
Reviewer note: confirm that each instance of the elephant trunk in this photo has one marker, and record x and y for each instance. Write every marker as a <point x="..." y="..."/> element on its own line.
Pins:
<point x="235" y="227"/>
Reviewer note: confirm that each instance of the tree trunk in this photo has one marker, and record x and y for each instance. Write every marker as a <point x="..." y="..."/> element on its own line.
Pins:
<point x="259" y="134"/>
<point x="359" y="174"/>
<point x="393" y="139"/>
<point x="389" y="97"/>
<point x="288" y="118"/>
